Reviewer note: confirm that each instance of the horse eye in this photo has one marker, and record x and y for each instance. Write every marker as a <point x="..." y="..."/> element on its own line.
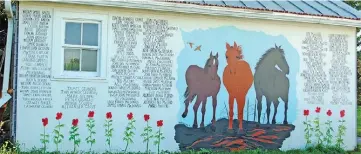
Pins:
<point x="226" y="56"/>
<point x="209" y="65"/>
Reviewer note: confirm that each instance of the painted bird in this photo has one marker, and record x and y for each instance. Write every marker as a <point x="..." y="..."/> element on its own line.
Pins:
<point x="198" y="48"/>
<point x="190" y="44"/>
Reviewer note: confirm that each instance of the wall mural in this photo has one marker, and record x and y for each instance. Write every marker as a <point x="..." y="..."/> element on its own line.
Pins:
<point x="249" y="78"/>
<point x="155" y="67"/>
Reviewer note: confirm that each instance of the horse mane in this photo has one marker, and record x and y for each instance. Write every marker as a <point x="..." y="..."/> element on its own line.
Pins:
<point x="273" y="49"/>
<point x="239" y="49"/>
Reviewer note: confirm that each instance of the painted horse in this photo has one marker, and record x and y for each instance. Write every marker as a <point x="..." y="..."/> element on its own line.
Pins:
<point x="272" y="82"/>
<point x="238" y="79"/>
<point x="203" y="83"/>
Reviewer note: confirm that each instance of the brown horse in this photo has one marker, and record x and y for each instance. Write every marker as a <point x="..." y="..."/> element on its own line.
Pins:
<point x="238" y="79"/>
<point x="202" y="82"/>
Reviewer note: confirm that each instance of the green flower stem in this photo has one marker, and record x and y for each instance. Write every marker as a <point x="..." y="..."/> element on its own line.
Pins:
<point x="318" y="132"/>
<point x="129" y="133"/>
<point x="308" y="134"/>
<point x="147" y="151"/>
<point x="108" y="131"/>
<point x="159" y="139"/>
<point x="341" y="132"/>
<point x="147" y="136"/>
<point x="73" y="136"/>
<point x="328" y="136"/>
<point x="90" y="139"/>
<point x="44" y="140"/>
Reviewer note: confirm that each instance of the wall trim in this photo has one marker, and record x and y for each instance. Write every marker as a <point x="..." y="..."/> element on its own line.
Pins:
<point x="216" y="11"/>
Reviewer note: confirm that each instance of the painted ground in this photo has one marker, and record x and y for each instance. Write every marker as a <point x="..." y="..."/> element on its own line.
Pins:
<point x="266" y="136"/>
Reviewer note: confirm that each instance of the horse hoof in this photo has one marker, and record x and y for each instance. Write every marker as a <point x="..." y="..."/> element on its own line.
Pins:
<point x="201" y="126"/>
<point x="230" y="131"/>
<point x="273" y="122"/>
<point x="213" y="128"/>
<point x="285" y="123"/>
<point x="184" y="115"/>
<point x="240" y="132"/>
<point x="195" y="126"/>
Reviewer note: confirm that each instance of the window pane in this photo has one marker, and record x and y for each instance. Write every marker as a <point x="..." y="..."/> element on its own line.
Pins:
<point x="71" y="59"/>
<point x="89" y="60"/>
<point x="90" y="34"/>
<point x="72" y="33"/>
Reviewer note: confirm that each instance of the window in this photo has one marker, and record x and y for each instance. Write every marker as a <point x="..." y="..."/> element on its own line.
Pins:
<point x="80" y="45"/>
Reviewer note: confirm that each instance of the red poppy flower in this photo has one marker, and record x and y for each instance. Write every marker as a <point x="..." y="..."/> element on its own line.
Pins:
<point x="45" y="121"/>
<point x="91" y="114"/>
<point x="318" y="110"/>
<point x="146" y="117"/>
<point x="130" y="115"/>
<point x="75" y="122"/>
<point x="342" y="113"/>
<point x="159" y="123"/>
<point x="109" y="115"/>
<point x="59" y="115"/>
<point x="306" y="112"/>
<point x="329" y="112"/>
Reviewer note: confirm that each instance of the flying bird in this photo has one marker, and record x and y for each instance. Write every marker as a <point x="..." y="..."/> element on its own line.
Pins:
<point x="198" y="48"/>
<point x="190" y="44"/>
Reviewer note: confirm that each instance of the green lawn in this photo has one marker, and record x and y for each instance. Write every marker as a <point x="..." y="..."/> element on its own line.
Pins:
<point x="359" y="121"/>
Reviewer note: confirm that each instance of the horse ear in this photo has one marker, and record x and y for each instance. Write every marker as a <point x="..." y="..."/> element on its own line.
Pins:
<point x="235" y="44"/>
<point x="227" y="45"/>
<point x="217" y="55"/>
<point x="210" y="55"/>
<point x="276" y="46"/>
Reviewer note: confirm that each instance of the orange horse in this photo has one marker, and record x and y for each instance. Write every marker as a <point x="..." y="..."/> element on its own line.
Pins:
<point x="238" y="79"/>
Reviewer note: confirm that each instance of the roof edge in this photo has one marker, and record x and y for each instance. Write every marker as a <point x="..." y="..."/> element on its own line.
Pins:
<point x="158" y="5"/>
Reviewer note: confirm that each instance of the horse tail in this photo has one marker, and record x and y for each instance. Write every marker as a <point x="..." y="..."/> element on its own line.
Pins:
<point x="186" y="93"/>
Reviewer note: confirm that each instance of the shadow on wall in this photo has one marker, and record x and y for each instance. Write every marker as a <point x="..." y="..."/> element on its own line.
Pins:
<point x="241" y="71"/>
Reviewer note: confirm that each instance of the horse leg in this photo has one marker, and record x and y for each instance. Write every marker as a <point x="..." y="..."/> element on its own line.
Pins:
<point x="268" y="109"/>
<point x="214" y="103"/>
<point x="240" y="106"/>
<point x="286" y="108"/>
<point x="204" y="102"/>
<point x="186" y="102"/>
<point x="275" y="103"/>
<point x="259" y="107"/>
<point x="230" y="104"/>
<point x="195" y="109"/>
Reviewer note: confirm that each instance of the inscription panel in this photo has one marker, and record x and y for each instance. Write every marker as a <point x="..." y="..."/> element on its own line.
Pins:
<point x="34" y="65"/>
<point x="316" y="83"/>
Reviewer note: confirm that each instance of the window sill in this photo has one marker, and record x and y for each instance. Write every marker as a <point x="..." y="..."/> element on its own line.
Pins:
<point x="79" y="79"/>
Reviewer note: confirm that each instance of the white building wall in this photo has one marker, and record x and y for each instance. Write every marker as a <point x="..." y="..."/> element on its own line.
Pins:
<point x="42" y="91"/>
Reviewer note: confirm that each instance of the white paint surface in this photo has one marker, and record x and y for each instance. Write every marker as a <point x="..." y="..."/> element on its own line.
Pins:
<point x="29" y="120"/>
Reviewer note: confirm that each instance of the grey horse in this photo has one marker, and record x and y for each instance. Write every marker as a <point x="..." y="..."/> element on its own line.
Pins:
<point x="272" y="82"/>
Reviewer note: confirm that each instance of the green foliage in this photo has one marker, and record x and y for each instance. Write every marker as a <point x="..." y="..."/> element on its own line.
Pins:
<point x="90" y="124"/>
<point x="328" y="136"/>
<point x="73" y="65"/>
<point x="44" y="139"/>
<point x="108" y="131"/>
<point x="129" y="134"/>
<point x="159" y="136"/>
<point x="317" y="129"/>
<point x="58" y="137"/>
<point x="341" y="133"/>
<point x="74" y="135"/>
<point x="147" y="135"/>
<point x="308" y="130"/>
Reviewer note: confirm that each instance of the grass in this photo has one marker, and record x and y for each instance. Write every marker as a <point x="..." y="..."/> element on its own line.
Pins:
<point x="359" y="121"/>
<point x="312" y="150"/>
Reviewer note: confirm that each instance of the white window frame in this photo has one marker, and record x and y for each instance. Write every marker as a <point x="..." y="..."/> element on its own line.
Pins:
<point x="60" y="18"/>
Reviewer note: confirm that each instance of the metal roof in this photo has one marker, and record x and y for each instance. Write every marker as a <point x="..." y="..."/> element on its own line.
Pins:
<point x="332" y="9"/>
